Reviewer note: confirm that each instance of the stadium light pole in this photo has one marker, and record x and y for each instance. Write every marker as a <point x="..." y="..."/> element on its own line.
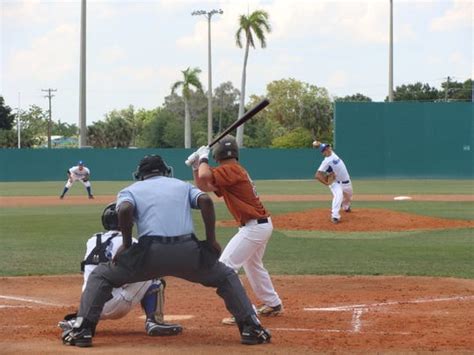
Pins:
<point x="390" y="57"/>
<point x="208" y="15"/>
<point x="82" y="79"/>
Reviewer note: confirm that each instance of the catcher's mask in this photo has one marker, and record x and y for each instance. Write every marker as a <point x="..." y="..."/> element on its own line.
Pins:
<point x="152" y="164"/>
<point x="110" y="217"/>
<point x="226" y="148"/>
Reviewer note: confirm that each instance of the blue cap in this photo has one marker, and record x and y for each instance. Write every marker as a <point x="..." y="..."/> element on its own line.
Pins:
<point x="80" y="162"/>
<point x="323" y="147"/>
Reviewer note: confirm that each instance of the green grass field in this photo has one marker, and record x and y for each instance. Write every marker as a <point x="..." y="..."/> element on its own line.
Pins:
<point x="51" y="240"/>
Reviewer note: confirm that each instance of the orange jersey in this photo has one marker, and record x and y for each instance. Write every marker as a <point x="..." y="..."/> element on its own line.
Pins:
<point x="235" y="186"/>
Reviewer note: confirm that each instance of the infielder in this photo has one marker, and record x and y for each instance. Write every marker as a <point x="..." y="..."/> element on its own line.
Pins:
<point x="333" y="173"/>
<point x="81" y="173"/>
<point x="161" y="207"/>
<point x="101" y="248"/>
<point x="246" y="248"/>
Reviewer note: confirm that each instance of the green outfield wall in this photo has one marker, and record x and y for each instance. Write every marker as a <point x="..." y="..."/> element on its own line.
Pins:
<point x="402" y="139"/>
<point x="375" y="140"/>
<point x="118" y="164"/>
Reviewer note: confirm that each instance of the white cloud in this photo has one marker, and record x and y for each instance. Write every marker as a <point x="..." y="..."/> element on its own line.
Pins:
<point x="49" y="58"/>
<point x="112" y="54"/>
<point x="460" y="15"/>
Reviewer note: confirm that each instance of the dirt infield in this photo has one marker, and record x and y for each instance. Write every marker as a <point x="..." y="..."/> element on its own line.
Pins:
<point x="322" y="314"/>
<point x="360" y="220"/>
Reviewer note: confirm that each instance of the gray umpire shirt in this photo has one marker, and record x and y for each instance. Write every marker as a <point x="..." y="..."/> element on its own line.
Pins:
<point x="159" y="208"/>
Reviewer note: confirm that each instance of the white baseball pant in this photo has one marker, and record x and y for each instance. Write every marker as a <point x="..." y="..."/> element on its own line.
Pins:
<point x="341" y="197"/>
<point x="69" y="183"/>
<point x="246" y="250"/>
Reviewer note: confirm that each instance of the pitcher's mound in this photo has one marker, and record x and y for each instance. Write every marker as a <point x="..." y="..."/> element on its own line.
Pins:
<point x="359" y="220"/>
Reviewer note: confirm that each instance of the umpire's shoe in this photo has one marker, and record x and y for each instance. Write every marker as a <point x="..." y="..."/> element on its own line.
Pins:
<point x="78" y="337"/>
<point x="254" y="335"/>
<point x="162" y="329"/>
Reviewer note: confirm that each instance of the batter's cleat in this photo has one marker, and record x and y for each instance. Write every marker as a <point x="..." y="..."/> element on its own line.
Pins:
<point x="61" y="197"/>
<point x="78" y="337"/>
<point x="335" y="220"/>
<point x="162" y="329"/>
<point x="229" y="321"/>
<point x="91" y="197"/>
<point x="254" y="335"/>
<point x="267" y="311"/>
<point x="348" y="209"/>
<point x="66" y="325"/>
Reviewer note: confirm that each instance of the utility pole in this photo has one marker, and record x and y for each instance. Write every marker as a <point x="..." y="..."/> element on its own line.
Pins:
<point x="49" y="96"/>
<point x="446" y="90"/>
<point x="82" y="79"/>
<point x="390" y="57"/>
<point x="18" y="122"/>
<point x="208" y="15"/>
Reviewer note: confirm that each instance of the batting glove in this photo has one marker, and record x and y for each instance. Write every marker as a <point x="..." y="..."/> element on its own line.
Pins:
<point x="193" y="161"/>
<point x="203" y="152"/>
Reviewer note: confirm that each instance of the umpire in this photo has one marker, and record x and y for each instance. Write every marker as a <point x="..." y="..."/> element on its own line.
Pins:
<point x="161" y="206"/>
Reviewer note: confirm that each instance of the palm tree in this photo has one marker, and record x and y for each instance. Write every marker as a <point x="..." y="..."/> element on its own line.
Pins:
<point x="254" y="25"/>
<point x="190" y="78"/>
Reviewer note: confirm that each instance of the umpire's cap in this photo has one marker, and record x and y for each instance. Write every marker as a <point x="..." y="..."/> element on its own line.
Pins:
<point x="152" y="164"/>
<point x="226" y="148"/>
<point x="110" y="217"/>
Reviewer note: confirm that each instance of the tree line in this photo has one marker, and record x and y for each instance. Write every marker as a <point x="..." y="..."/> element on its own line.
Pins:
<point x="299" y="112"/>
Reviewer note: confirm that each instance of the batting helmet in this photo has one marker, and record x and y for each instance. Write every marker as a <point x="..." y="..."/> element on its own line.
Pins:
<point x="110" y="217"/>
<point x="152" y="164"/>
<point x="226" y="148"/>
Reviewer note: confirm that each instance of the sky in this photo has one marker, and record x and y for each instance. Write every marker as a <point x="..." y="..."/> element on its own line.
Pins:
<point x="137" y="49"/>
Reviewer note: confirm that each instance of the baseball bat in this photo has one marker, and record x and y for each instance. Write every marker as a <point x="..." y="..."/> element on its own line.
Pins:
<point x="245" y="117"/>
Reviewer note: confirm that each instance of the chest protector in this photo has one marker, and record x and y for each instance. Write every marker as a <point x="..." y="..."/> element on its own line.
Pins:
<point x="100" y="253"/>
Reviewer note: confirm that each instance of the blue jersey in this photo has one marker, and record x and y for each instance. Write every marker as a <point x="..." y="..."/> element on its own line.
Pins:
<point x="162" y="206"/>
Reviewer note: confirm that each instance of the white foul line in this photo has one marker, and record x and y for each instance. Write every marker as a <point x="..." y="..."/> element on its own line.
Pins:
<point x="358" y="306"/>
<point x="30" y="300"/>
<point x="359" y="309"/>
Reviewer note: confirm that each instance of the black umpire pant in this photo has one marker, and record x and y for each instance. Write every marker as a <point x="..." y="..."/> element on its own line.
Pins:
<point x="156" y="257"/>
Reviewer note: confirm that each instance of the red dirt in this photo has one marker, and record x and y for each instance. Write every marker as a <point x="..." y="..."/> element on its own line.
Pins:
<point x="395" y="314"/>
<point x="360" y="220"/>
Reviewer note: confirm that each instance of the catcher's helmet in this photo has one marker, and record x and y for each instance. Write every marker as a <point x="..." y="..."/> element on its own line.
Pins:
<point x="110" y="217"/>
<point x="152" y="164"/>
<point x="226" y="148"/>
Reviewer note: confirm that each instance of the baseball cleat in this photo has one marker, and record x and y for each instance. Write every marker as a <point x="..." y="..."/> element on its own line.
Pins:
<point x="268" y="311"/>
<point x="91" y="197"/>
<point x="348" y="209"/>
<point x="162" y="329"/>
<point x="254" y="335"/>
<point x="335" y="220"/>
<point x="81" y="338"/>
<point x="229" y="321"/>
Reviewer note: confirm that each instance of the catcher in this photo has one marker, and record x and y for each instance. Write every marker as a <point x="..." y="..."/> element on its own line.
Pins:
<point x="101" y="248"/>
<point x="333" y="173"/>
<point x="81" y="173"/>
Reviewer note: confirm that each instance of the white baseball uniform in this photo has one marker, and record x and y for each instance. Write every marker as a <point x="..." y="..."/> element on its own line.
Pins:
<point x="125" y="297"/>
<point x="341" y="188"/>
<point x="78" y="174"/>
